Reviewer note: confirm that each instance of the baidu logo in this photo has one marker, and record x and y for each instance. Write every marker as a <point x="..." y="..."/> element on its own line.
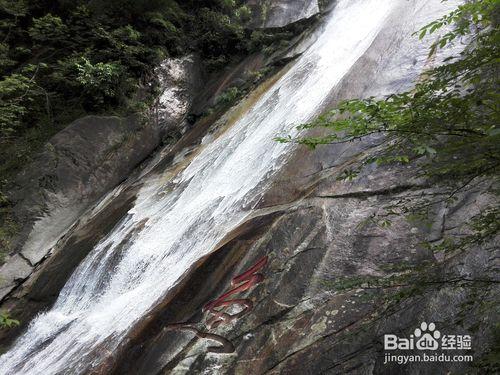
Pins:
<point x="426" y="344"/>
<point x="427" y="337"/>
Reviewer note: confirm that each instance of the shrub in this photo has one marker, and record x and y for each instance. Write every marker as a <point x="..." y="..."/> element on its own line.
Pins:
<point x="6" y="321"/>
<point x="100" y="81"/>
<point x="228" y="97"/>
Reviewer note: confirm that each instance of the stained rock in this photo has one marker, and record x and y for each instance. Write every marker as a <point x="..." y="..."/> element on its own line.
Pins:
<point x="272" y="14"/>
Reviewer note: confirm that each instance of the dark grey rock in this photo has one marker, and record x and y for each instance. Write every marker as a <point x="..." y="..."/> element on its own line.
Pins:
<point x="14" y="270"/>
<point x="76" y="167"/>
<point x="323" y="306"/>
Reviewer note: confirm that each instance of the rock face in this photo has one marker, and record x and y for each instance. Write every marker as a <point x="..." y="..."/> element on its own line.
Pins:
<point x="179" y="82"/>
<point x="27" y="287"/>
<point x="13" y="271"/>
<point x="340" y="273"/>
<point x="76" y="167"/>
<point x="44" y="281"/>
<point x="94" y="154"/>
<point x="274" y="14"/>
<point x="79" y="164"/>
<point x="337" y="280"/>
<point x="86" y="160"/>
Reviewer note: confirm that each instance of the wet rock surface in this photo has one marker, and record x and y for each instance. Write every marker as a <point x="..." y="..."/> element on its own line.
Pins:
<point x="336" y="282"/>
<point x="38" y="287"/>
<point x="30" y="286"/>
<point x="96" y="153"/>
<point x="87" y="159"/>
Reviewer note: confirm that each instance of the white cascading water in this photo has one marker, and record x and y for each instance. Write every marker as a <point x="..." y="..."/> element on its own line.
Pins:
<point x="134" y="266"/>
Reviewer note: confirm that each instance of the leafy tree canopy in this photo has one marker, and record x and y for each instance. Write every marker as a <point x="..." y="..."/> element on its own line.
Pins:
<point x="63" y="59"/>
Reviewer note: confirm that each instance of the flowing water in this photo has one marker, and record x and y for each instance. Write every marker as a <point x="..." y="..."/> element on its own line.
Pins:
<point x="171" y="227"/>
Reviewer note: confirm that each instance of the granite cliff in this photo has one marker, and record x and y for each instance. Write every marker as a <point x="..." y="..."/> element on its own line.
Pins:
<point x="334" y="280"/>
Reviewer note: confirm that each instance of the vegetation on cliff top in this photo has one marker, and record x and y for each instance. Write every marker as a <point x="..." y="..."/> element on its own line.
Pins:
<point x="63" y="59"/>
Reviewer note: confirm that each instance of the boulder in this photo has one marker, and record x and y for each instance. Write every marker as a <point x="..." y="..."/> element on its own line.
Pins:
<point x="75" y="168"/>
<point x="179" y="81"/>
<point x="281" y="13"/>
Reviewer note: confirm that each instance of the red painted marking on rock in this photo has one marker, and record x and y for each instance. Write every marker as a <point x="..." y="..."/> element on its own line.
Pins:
<point x="240" y="283"/>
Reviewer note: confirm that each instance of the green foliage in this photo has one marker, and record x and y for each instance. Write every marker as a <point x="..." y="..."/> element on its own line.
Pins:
<point x="270" y="41"/>
<point x="218" y="34"/>
<point x="14" y="97"/>
<point x="244" y="14"/>
<point x="228" y="97"/>
<point x="466" y="17"/>
<point x="63" y="59"/>
<point x="47" y="29"/>
<point x="99" y="81"/>
<point x="91" y="55"/>
<point x="228" y="4"/>
<point x="484" y="226"/>
<point x="6" y="321"/>
<point x="348" y="175"/>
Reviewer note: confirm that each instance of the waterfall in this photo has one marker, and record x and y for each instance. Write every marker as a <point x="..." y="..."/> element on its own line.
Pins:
<point x="173" y="225"/>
